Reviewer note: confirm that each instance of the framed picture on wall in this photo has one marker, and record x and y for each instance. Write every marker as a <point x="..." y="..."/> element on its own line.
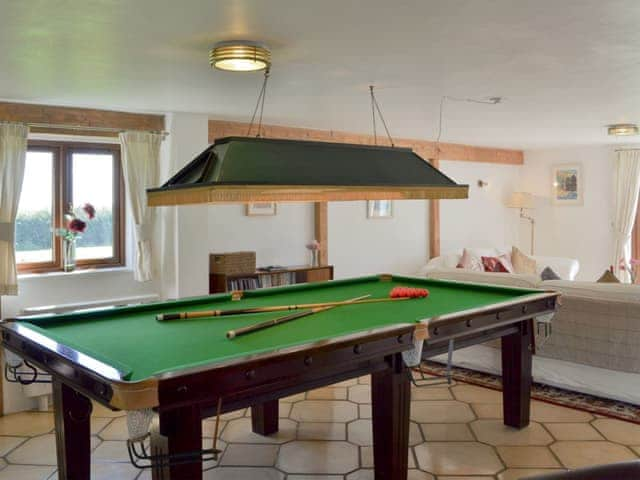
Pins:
<point x="261" y="209"/>
<point x="568" y="184"/>
<point x="379" y="209"/>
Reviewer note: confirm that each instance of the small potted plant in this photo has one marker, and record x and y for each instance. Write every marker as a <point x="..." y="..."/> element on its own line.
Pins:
<point x="314" y="248"/>
<point x="73" y="229"/>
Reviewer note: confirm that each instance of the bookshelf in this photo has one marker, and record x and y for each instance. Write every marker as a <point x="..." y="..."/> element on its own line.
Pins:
<point x="220" y="282"/>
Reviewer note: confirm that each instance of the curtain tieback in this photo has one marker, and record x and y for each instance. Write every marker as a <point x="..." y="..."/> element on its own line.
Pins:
<point x="7" y="232"/>
<point x="142" y="233"/>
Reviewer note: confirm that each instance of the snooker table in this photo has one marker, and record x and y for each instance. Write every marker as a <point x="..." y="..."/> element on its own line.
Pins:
<point x="187" y="370"/>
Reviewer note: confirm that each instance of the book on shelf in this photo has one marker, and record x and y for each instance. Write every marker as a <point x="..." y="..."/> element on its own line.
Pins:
<point x="262" y="281"/>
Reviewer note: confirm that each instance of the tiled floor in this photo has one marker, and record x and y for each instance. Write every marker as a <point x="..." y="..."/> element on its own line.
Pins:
<point x="456" y="434"/>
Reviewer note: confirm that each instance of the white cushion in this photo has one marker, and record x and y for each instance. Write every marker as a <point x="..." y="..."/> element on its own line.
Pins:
<point x="565" y="268"/>
<point x="613" y="292"/>
<point x="496" y="278"/>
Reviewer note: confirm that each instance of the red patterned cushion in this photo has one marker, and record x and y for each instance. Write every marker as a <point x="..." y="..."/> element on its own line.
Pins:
<point x="496" y="264"/>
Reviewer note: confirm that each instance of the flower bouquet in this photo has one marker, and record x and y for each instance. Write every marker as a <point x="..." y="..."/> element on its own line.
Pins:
<point x="631" y="267"/>
<point x="314" y="248"/>
<point x="73" y="229"/>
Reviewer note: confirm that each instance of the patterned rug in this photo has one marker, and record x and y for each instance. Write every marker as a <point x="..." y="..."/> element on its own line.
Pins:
<point x="545" y="393"/>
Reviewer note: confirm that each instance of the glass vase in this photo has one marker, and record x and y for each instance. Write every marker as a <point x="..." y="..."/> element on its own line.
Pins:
<point x="314" y="258"/>
<point x="68" y="255"/>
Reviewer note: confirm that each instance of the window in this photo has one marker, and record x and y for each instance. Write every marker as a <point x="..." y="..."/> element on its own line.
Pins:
<point x="59" y="176"/>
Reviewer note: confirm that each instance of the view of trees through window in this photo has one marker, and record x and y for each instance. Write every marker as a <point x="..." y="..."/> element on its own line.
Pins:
<point x="55" y="180"/>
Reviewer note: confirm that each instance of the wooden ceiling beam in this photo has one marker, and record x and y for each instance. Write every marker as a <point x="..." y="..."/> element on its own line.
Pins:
<point x="425" y="148"/>
<point x="84" y="117"/>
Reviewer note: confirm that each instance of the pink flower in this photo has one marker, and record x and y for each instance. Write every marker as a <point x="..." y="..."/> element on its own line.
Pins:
<point x="89" y="210"/>
<point x="77" y="226"/>
<point x="314" y="245"/>
<point x="635" y="261"/>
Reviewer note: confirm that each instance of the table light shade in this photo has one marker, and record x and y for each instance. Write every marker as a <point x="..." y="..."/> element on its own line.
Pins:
<point x="520" y="200"/>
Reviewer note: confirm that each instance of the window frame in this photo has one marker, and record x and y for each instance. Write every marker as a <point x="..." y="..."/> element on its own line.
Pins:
<point x="62" y="194"/>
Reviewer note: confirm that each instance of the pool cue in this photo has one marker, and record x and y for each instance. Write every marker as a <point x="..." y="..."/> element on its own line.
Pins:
<point x="231" y="334"/>
<point x="161" y="317"/>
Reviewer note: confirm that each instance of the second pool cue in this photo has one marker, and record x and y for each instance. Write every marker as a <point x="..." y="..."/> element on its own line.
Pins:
<point x="162" y="317"/>
<point x="277" y="321"/>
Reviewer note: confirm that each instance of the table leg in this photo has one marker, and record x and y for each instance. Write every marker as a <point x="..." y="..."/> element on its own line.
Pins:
<point x="516" y="375"/>
<point x="391" y="402"/>
<point x="180" y="431"/>
<point x="73" y="432"/>
<point x="264" y="417"/>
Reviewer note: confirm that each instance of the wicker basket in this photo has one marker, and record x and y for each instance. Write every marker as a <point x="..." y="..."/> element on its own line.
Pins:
<point x="232" y="263"/>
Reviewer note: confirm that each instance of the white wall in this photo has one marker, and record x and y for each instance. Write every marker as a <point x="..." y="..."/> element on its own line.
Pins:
<point x="582" y="232"/>
<point x="277" y="240"/>
<point x="482" y="220"/>
<point x="358" y="245"/>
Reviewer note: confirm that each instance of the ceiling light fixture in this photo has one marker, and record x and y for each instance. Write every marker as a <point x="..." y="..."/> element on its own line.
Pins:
<point x="240" y="56"/>
<point x="623" y="129"/>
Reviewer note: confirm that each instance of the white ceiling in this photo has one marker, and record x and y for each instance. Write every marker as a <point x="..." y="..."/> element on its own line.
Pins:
<point x="565" y="67"/>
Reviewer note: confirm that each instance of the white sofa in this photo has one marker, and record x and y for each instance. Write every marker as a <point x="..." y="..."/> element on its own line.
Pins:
<point x="566" y="268"/>
<point x="595" y="342"/>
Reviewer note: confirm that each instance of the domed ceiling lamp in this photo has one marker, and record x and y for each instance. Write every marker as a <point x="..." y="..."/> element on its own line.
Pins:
<point x="240" y="56"/>
<point x="623" y="129"/>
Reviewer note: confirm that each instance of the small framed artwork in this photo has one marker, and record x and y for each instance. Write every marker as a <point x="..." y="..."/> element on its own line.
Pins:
<point x="261" y="209"/>
<point x="379" y="209"/>
<point x="568" y="184"/>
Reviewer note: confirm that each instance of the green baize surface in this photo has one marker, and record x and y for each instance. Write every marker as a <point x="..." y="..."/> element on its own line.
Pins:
<point x="131" y="340"/>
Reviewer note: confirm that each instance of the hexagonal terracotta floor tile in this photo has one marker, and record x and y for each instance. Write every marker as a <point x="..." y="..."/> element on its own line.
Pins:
<point x="318" y="457"/>
<point x="471" y="393"/>
<point x="527" y="457"/>
<point x="239" y="430"/>
<point x="360" y="432"/>
<point x="546" y="412"/>
<point x="26" y="424"/>
<point x="618" y="431"/>
<point x="441" y="411"/>
<point x="494" y="432"/>
<point x="521" y="473"/>
<point x="457" y="458"/>
<point x="573" y="431"/>
<point x="360" y="394"/>
<point x="583" y="454"/>
<point x="324" y="411"/>
<point x="242" y="473"/>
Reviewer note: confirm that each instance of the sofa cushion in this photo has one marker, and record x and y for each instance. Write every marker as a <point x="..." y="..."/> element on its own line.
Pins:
<point x="566" y="268"/>
<point x="522" y="263"/>
<point x="470" y="261"/>
<point x="501" y="263"/>
<point x="549" y="274"/>
<point x="608" y="277"/>
<point x="613" y="292"/>
<point x="506" y="279"/>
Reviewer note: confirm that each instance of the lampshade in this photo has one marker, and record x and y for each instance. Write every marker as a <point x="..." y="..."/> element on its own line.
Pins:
<point x="520" y="200"/>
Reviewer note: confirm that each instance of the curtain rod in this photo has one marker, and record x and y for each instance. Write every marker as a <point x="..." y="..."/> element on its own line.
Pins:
<point x="628" y="149"/>
<point x="62" y="126"/>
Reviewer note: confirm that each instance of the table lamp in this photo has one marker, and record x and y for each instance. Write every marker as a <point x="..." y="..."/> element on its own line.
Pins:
<point x="523" y="200"/>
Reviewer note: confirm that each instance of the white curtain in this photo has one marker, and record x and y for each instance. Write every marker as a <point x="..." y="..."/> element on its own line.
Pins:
<point x="13" y="151"/>
<point x="141" y="155"/>
<point x="626" y="191"/>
